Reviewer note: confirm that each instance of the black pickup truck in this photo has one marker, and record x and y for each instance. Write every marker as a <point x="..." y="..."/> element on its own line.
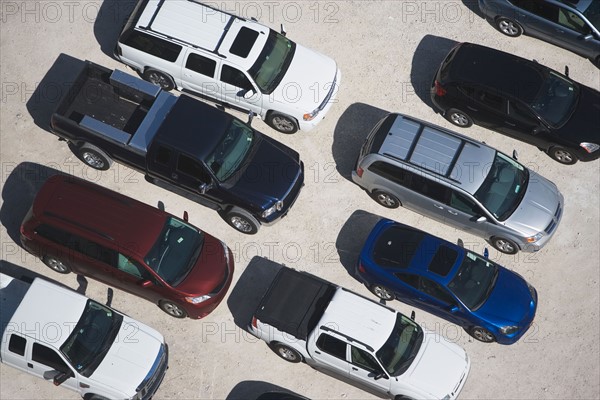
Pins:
<point x="180" y="144"/>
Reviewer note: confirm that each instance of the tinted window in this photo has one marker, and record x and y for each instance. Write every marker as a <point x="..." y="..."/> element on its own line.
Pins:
<point x="235" y="77"/>
<point x="364" y="360"/>
<point x="538" y="7"/>
<point x="192" y="168"/>
<point x="331" y="345"/>
<point x="443" y="260"/>
<point x="572" y="21"/>
<point x="243" y="42"/>
<point x="153" y="45"/>
<point x="464" y="204"/>
<point x="427" y="187"/>
<point x="47" y="356"/>
<point x="163" y="155"/>
<point x="17" y="344"/>
<point x="391" y="172"/>
<point x="93" y="250"/>
<point x="491" y="100"/>
<point x="434" y="290"/>
<point x="53" y="234"/>
<point x="201" y="65"/>
<point x="520" y="112"/>
<point x="132" y="267"/>
<point x="409" y="279"/>
<point x="396" y="246"/>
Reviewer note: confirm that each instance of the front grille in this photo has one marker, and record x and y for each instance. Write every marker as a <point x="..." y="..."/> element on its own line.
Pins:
<point x="151" y="385"/>
<point x="329" y="95"/>
<point x="554" y="223"/>
<point x="291" y="196"/>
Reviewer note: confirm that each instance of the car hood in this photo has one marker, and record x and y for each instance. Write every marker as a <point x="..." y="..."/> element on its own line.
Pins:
<point x="307" y="81"/>
<point x="130" y="357"/>
<point x="584" y="124"/>
<point x="510" y="300"/>
<point x="269" y="175"/>
<point x="209" y="271"/>
<point x="537" y="207"/>
<point x="439" y="367"/>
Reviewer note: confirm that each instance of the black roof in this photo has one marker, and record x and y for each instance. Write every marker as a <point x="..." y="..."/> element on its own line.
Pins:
<point x="193" y="127"/>
<point x="497" y="70"/>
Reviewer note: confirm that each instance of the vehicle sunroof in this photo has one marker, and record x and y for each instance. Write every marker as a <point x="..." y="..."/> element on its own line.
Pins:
<point x="243" y="42"/>
<point x="443" y="260"/>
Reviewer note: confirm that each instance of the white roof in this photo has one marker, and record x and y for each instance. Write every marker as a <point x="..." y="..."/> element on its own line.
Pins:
<point x="362" y="319"/>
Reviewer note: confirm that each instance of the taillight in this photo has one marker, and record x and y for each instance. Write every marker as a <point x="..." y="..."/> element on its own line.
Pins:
<point x="361" y="268"/>
<point x="359" y="172"/>
<point x="439" y="89"/>
<point x="254" y="323"/>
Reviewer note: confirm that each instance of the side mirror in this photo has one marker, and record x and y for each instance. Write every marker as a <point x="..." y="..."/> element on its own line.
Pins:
<point x="588" y="37"/>
<point x="146" y="283"/>
<point x="515" y="155"/>
<point x="250" y="117"/>
<point x="378" y="376"/>
<point x="486" y="253"/>
<point x="283" y="32"/>
<point x="454" y="309"/>
<point x="249" y="93"/>
<point x="61" y="377"/>
<point x="412" y="315"/>
<point x="204" y="188"/>
<point x="481" y="219"/>
<point x="460" y="243"/>
<point x="186" y="217"/>
<point x="566" y="70"/>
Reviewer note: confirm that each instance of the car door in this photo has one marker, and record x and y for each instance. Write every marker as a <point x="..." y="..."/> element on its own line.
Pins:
<point x="490" y="109"/>
<point x="522" y="124"/>
<point x="198" y="75"/>
<point x="407" y="290"/>
<point x="193" y="176"/>
<point x="46" y="363"/>
<point x="134" y="278"/>
<point x="429" y="197"/>
<point x="331" y="354"/>
<point x="437" y="300"/>
<point x="238" y="90"/>
<point x="464" y="213"/>
<point x="366" y="371"/>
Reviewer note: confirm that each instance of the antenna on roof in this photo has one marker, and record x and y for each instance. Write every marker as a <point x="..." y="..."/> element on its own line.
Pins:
<point x="283" y="32"/>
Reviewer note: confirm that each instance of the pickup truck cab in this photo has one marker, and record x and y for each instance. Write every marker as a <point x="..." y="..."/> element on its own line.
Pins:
<point x="92" y="349"/>
<point x="180" y="144"/>
<point x="304" y="318"/>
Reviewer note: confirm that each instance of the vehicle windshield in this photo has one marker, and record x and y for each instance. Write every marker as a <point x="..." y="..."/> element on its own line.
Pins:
<point x="176" y="251"/>
<point x="402" y="347"/>
<point x="231" y="151"/>
<point x="92" y="337"/>
<point x="474" y="280"/>
<point x="273" y="62"/>
<point x="504" y="187"/>
<point x="556" y="99"/>
<point x="592" y="13"/>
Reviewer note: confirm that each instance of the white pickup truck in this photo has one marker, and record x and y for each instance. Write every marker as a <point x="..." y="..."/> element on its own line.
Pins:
<point x="304" y="318"/>
<point x="61" y="336"/>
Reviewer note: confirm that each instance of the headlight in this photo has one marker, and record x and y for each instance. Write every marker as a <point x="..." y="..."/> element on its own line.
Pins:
<point x="507" y="330"/>
<point x="535" y="238"/>
<point x="589" y="147"/>
<point x="446" y="397"/>
<point x="532" y="292"/>
<point x="199" y="299"/>
<point x="311" y="115"/>
<point x="277" y="207"/>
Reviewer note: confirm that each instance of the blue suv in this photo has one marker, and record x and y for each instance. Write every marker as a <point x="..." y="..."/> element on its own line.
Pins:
<point x="489" y="301"/>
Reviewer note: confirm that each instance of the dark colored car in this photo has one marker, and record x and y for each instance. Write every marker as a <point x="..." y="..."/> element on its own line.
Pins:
<point x="521" y="99"/>
<point x="489" y="301"/>
<point x="76" y="226"/>
<point x="571" y="24"/>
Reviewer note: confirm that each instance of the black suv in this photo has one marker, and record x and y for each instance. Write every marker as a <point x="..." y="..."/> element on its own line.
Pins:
<point x="521" y="99"/>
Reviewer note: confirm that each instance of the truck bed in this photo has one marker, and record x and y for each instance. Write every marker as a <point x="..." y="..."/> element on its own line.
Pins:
<point x="12" y="291"/>
<point x="295" y="302"/>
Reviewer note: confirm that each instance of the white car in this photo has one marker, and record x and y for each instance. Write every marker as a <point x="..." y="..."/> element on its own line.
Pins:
<point x="241" y="63"/>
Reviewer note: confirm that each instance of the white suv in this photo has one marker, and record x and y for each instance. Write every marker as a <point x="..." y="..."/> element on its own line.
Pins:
<point x="241" y="63"/>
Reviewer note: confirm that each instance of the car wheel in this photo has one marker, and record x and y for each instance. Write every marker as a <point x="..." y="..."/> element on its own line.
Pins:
<point x="282" y="123"/>
<point x="459" y="118"/>
<point x="482" y="334"/>
<point x="242" y="221"/>
<point x="509" y="27"/>
<point x="562" y="155"/>
<point x="287" y="353"/>
<point x="172" y="309"/>
<point x="94" y="397"/>
<point x="159" y="78"/>
<point x="55" y="264"/>
<point x="506" y="246"/>
<point x="382" y="292"/>
<point x="94" y="157"/>
<point x="386" y="199"/>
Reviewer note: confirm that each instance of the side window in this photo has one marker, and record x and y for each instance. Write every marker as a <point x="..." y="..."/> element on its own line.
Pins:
<point x="235" y="77"/>
<point x="539" y="8"/>
<point x="191" y="167"/>
<point x="467" y="91"/>
<point x="92" y="250"/>
<point x="409" y="279"/>
<point x="364" y="360"/>
<point x="152" y="45"/>
<point x="47" y="356"/>
<point x="429" y="188"/>
<point x="53" y="234"/>
<point x="572" y="21"/>
<point x="491" y="100"/>
<point x="163" y="155"/>
<point x="391" y="172"/>
<point x="520" y="112"/>
<point x="201" y="65"/>
<point x="464" y="204"/>
<point x="132" y="267"/>
<point x="332" y="345"/>
<point x="17" y="344"/>
<point x="434" y="290"/>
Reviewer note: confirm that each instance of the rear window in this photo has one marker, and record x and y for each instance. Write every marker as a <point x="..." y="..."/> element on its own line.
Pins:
<point x="397" y="246"/>
<point x="243" y="42"/>
<point x="443" y="260"/>
<point x="152" y="45"/>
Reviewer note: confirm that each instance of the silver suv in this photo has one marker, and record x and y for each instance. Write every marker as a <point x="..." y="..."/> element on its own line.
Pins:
<point x="458" y="181"/>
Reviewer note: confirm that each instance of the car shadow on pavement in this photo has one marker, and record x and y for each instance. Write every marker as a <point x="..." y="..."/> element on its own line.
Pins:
<point x="245" y="297"/>
<point x="427" y="58"/>
<point x="50" y="90"/>
<point x="352" y="237"/>
<point x="110" y="20"/>
<point x="350" y="132"/>
<point x="250" y="390"/>
<point x="18" y="192"/>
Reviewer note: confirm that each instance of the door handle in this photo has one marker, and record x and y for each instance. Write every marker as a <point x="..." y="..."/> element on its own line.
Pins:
<point x="472" y="108"/>
<point x="438" y="206"/>
<point x="452" y="212"/>
<point x="188" y="75"/>
<point x="174" y="175"/>
<point x="317" y="352"/>
<point x="510" y="123"/>
<point x="354" y="369"/>
<point x="30" y="365"/>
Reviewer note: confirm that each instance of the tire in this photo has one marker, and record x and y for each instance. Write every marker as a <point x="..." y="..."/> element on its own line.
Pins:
<point x="382" y="292"/>
<point x="172" y="309"/>
<point x="56" y="265"/>
<point x="94" y="157"/>
<point x="386" y="199"/>
<point x="94" y="397"/>
<point x="562" y="155"/>
<point x="482" y="334"/>
<point x="509" y="27"/>
<point x="505" y="246"/>
<point x="287" y="353"/>
<point x="242" y="221"/>
<point x="160" y="79"/>
<point x="459" y="118"/>
<point x="282" y="123"/>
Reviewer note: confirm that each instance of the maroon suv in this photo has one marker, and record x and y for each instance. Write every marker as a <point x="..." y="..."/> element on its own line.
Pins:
<point x="77" y="226"/>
